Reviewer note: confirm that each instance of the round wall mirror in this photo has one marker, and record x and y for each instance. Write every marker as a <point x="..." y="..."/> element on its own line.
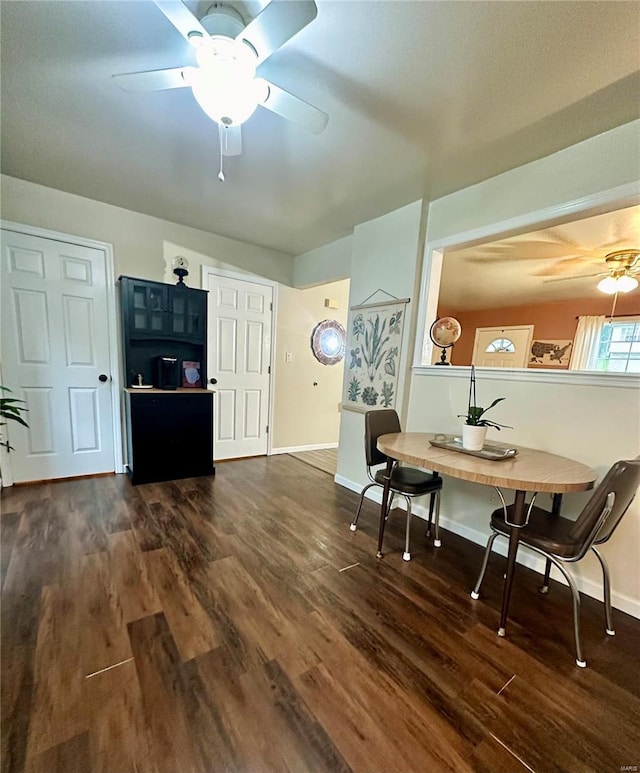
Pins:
<point x="328" y="342"/>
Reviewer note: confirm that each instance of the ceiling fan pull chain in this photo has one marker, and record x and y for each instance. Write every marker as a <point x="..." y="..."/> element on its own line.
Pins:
<point x="222" y="144"/>
<point x="613" y="308"/>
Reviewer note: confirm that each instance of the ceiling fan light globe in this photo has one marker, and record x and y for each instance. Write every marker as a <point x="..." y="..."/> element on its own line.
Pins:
<point x="227" y="56"/>
<point x="196" y="39"/>
<point x="627" y="283"/>
<point x="226" y="101"/>
<point x="608" y="285"/>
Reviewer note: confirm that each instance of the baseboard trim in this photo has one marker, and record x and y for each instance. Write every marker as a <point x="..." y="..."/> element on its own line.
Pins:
<point x="525" y="557"/>
<point x="298" y="449"/>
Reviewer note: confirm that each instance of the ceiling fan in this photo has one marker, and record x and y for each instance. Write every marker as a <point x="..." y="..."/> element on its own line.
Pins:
<point x="227" y="53"/>
<point x="622" y="267"/>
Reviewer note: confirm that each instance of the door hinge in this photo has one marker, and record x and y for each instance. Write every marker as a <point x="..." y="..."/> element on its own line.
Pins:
<point x="271" y="307"/>
<point x="268" y="368"/>
<point x="267" y="429"/>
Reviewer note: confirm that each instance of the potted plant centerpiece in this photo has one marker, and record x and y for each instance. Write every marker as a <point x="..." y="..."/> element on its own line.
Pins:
<point x="474" y="429"/>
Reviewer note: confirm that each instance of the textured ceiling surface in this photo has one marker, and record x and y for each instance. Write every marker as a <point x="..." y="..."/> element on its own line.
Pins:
<point x="423" y="97"/>
<point x="551" y="264"/>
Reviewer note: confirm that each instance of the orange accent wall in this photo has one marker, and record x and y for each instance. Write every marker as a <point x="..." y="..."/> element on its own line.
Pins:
<point x="552" y="320"/>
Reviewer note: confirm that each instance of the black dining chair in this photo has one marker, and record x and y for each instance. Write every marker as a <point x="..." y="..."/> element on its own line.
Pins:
<point x="408" y="482"/>
<point x="561" y="540"/>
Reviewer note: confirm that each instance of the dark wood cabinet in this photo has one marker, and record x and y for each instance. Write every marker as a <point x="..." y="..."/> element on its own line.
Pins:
<point x="162" y="320"/>
<point x="146" y="306"/>
<point x="187" y="314"/>
<point x="169" y="432"/>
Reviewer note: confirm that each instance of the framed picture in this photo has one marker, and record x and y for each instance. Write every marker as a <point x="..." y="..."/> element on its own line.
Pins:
<point x="550" y="354"/>
<point x="373" y="354"/>
<point x="191" y="378"/>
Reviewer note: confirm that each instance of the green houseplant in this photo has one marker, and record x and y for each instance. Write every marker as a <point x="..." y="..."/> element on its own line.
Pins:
<point x="474" y="430"/>
<point x="9" y="409"/>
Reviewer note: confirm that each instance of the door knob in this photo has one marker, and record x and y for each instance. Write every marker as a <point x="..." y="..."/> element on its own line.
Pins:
<point x="103" y="377"/>
<point x="213" y="380"/>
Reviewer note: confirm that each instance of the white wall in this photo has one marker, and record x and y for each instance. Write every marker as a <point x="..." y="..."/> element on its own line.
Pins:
<point x="602" y="162"/>
<point x="384" y="257"/>
<point x="324" y="264"/>
<point x="595" y="425"/>
<point x="138" y="240"/>
<point x="306" y="415"/>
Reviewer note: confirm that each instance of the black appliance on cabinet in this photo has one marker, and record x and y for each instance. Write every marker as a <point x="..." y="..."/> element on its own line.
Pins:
<point x="165" y="372"/>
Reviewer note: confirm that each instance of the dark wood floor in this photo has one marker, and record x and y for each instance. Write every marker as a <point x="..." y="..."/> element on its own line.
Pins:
<point x="236" y="624"/>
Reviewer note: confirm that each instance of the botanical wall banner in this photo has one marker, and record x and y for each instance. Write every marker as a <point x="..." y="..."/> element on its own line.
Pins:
<point x="373" y="356"/>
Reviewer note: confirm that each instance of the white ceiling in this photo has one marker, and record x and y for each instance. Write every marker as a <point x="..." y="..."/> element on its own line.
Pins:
<point x="526" y="268"/>
<point x="423" y="97"/>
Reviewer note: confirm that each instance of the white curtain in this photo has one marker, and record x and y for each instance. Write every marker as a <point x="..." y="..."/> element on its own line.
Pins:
<point x="585" y="344"/>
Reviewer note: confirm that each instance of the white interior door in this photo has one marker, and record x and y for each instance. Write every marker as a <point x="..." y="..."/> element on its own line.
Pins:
<point x="239" y="354"/>
<point x="502" y="347"/>
<point x="55" y="348"/>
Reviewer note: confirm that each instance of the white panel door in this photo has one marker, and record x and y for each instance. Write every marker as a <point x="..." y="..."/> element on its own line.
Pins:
<point x="504" y="347"/>
<point x="55" y="347"/>
<point x="239" y="353"/>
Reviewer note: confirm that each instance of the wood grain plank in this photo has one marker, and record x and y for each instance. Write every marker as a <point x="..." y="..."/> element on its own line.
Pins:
<point x="401" y="728"/>
<point x="70" y="756"/>
<point x="8" y="531"/>
<point x="36" y="560"/>
<point x="131" y="579"/>
<point x="261" y="721"/>
<point x="192" y="628"/>
<point x="119" y="737"/>
<point x="492" y="756"/>
<point x="58" y="712"/>
<point x="269" y="658"/>
<point x="105" y="640"/>
<point x="293" y="723"/>
<point x="260" y="623"/>
<point x="15" y="708"/>
<point x="162" y="689"/>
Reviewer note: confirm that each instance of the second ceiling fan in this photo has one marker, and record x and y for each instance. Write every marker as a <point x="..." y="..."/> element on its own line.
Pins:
<point x="228" y="53"/>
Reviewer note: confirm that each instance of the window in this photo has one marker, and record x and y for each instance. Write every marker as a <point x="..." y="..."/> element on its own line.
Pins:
<point x="619" y="346"/>
<point x="501" y="345"/>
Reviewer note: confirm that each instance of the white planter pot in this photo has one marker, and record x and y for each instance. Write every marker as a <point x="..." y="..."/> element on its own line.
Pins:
<point x="473" y="437"/>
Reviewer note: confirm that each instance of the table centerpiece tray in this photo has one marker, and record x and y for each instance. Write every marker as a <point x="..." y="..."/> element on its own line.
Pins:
<point x="488" y="451"/>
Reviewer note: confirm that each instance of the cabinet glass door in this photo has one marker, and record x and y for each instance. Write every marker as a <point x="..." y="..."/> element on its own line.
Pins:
<point x="149" y="309"/>
<point x="188" y="313"/>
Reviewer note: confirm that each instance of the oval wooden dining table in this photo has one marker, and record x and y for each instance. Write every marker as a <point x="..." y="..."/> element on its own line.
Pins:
<point x="528" y="471"/>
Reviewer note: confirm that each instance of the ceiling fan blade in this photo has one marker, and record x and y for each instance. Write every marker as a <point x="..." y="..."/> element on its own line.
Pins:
<point x="275" y="24"/>
<point x="230" y="140"/>
<point x="578" y="276"/>
<point x="182" y="19"/>
<point x="155" y="80"/>
<point x="295" y="109"/>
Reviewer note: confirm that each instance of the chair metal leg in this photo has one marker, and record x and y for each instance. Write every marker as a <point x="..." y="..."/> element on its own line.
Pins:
<point x="475" y="593"/>
<point x="354" y="524"/>
<point x="390" y="505"/>
<point x="607" y="592"/>
<point x="575" y="595"/>
<point x="544" y="588"/>
<point x="434" y="505"/>
<point x="432" y="500"/>
<point x="436" y="523"/>
<point x="407" y="555"/>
